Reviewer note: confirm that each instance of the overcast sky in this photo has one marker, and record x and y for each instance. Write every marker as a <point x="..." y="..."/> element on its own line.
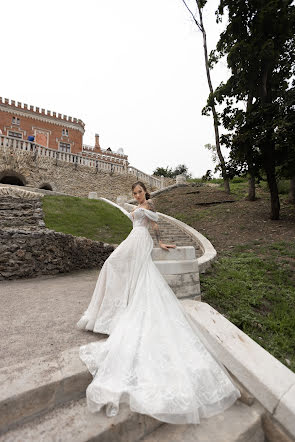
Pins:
<point x="132" y="70"/>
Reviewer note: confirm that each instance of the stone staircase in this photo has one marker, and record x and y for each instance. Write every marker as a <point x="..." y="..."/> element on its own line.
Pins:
<point x="171" y="234"/>
<point x="21" y="214"/>
<point x="74" y="423"/>
<point x="44" y="400"/>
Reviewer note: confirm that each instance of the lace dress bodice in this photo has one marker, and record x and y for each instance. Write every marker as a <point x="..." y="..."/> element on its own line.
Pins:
<point x="141" y="217"/>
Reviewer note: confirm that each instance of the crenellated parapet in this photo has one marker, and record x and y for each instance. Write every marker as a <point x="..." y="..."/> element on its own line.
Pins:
<point x="23" y="109"/>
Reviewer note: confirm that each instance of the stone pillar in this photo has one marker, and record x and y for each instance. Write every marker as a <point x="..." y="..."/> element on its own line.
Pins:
<point x="162" y="182"/>
<point x="97" y="145"/>
<point x="93" y="195"/>
<point x="180" y="179"/>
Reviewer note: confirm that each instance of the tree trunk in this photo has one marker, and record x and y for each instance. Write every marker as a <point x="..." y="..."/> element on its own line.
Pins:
<point x="249" y="156"/>
<point x="251" y="188"/>
<point x="215" y="117"/>
<point x="272" y="182"/>
<point x="268" y="145"/>
<point x="200" y="25"/>
<point x="291" y="196"/>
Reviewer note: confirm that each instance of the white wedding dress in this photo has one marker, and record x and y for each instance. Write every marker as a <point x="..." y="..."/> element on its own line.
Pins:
<point x="154" y="358"/>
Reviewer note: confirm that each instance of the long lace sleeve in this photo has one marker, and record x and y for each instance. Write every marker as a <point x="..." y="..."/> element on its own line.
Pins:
<point x="130" y="216"/>
<point x="154" y="217"/>
<point x="151" y="211"/>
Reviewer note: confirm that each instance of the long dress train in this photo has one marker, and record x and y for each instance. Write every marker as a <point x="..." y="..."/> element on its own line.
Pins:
<point x="154" y="359"/>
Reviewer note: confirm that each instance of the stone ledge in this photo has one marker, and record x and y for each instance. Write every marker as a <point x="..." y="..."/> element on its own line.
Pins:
<point x="266" y="378"/>
<point x="285" y="411"/>
<point x="177" y="267"/>
<point x="180" y="253"/>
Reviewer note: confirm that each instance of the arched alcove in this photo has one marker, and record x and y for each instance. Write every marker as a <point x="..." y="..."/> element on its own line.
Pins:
<point x="12" y="177"/>
<point x="46" y="186"/>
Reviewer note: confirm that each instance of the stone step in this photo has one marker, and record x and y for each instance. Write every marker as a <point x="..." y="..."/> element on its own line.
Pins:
<point x="239" y="423"/>
<point x="73" y="422"/>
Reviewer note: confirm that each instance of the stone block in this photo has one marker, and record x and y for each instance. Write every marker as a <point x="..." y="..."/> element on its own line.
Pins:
<point x="92" y="195"/>
<point x="266" y="378"/>
<point x="177" y="267"/>
<point x="178" y="254"/>
<point x="285" y="411"/>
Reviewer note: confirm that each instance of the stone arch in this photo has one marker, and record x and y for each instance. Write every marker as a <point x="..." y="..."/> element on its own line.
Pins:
<point x="46" y="186"/>
<point x="12" y="177"/>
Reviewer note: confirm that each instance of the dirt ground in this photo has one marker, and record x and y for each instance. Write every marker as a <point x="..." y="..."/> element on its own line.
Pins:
<point x="227" y="224"/>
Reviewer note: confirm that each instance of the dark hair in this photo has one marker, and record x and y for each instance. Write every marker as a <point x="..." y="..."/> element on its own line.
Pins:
<point x="140" y="183"/>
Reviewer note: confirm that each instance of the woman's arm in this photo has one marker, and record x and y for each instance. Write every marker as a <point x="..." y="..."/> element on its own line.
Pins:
<point x="155" y="226"/>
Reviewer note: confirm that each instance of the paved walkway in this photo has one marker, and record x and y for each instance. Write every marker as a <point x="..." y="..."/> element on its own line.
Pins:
<point x="38" y="316"/>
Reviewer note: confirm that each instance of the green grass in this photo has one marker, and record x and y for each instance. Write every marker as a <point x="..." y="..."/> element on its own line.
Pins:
<point x="254" y="287"/>
<point x="93" y="219"/>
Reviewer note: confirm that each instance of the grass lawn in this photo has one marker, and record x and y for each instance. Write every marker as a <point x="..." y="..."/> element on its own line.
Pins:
<point x="94" y="219"/>
<point x="254" y="287"/>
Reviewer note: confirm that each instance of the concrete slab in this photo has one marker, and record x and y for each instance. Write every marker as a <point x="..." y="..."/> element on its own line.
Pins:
<point x="179" y="254"/>
<point x="36" y="386"/>
<point x="271" y="382"/>
<point x="285" y="411"/>
<point x="169" y="267"/>
<point x="237" y="424"/>
<point x="38" y="315"/>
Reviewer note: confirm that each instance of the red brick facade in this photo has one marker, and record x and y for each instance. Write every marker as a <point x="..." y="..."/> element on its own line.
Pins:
<point x="52" y="130"/>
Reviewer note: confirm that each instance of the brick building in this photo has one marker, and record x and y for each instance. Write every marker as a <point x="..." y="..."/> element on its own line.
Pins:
<point x="52" y="130"/>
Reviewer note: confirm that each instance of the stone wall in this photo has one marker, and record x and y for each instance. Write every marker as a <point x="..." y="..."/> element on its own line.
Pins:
<point x="66" y="177"/>
<point x="27" y="254"/>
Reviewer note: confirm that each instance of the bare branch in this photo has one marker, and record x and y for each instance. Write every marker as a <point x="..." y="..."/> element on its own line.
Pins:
<point x="192" y="14"/>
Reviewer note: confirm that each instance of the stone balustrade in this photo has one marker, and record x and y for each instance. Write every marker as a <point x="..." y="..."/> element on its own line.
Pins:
<point x="153" y="181"/>
<point x="100" y="162"/>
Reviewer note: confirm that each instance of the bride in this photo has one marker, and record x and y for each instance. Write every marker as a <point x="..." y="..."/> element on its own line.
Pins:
<point x="154" y="358"/>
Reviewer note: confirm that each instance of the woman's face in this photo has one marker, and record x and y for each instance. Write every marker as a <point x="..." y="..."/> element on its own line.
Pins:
<point x="139" y="194"/>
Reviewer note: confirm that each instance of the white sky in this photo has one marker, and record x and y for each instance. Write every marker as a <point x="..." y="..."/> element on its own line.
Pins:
<point x="132" y="70"/>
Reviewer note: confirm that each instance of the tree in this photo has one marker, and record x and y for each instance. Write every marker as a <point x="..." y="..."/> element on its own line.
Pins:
<point x="164" y="171"/>
<point x="181" y="169"/>
<point x="259" y="43"/>
<point x="210" y="103"/>
<point x="285" y="139"/>
<point x="208" y="176"/>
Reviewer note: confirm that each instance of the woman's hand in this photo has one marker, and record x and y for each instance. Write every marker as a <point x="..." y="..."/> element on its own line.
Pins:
<point x="166" y="246"/>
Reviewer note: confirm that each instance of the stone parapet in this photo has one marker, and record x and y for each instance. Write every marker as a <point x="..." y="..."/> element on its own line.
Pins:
<point x="63" y="174"/>
<point x="267" y="379"/>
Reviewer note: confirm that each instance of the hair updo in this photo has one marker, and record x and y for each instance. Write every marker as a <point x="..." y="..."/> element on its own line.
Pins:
<point x="141" y="184"/>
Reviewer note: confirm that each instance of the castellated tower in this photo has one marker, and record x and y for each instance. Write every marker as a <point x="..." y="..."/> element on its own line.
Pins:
<point x="56" y="131"/>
